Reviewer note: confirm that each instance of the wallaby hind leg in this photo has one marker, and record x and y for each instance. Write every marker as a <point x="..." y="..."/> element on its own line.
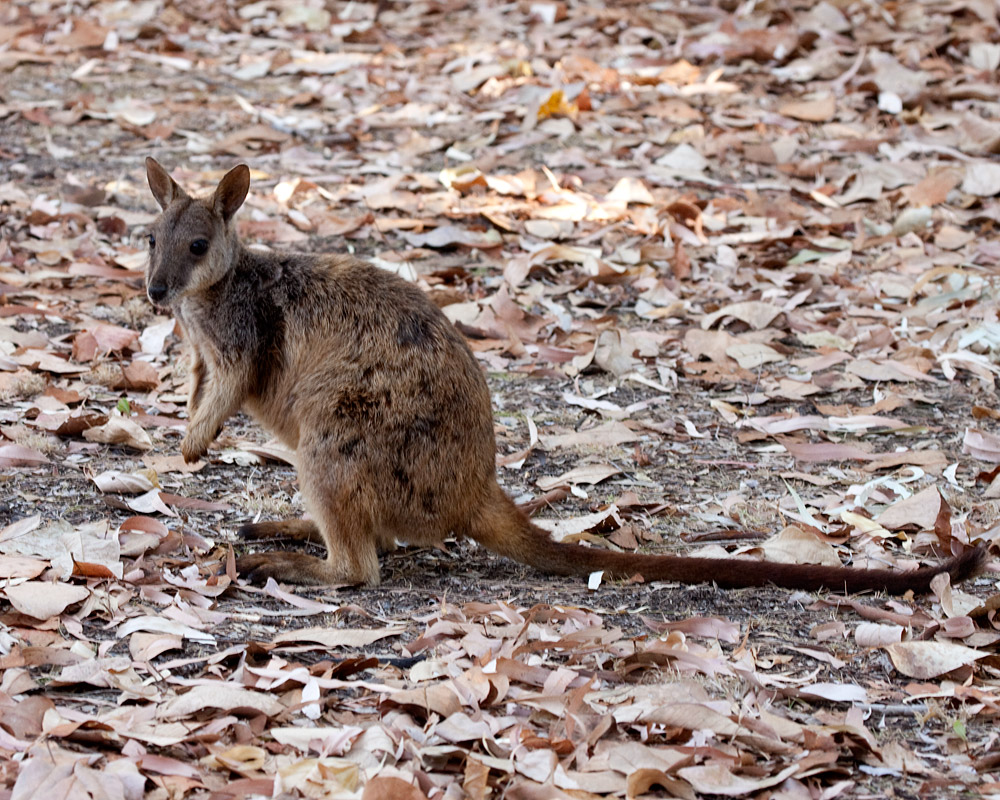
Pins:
<point x="336" y="502"/>
<point x="298" y="529"/>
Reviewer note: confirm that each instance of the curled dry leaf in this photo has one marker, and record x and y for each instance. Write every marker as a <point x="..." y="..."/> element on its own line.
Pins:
<point x="614" y="352"/>
<point x="111" y="672"/>
<point x="630" y="190"/>
<point x="122" y="483"/>
<point x="979" y="444"/>
<point x="19" y="528"/>
<point x="958" y="627"/>
<point x="223" y="697"/>
<point x="835" y="692"/>
<point x="539" y="765"/>
<point x="110" y="338"/>
<point x="871" y="634"/>
<point x="42" y="600"/>
<point x="150" y="502"/>
<point x="820" y="109"/>
<point x="146" y="525"/>
<point x="587" y="474"/>
<point x="437" y="699"/>
<point x="154" y="337"/>
<point x="982" y="180"/>
<point x="15" y="455"/>
<point x="331" y="740"/>
<point x="147" y="646"/>
<point x="21" y="567"/>
<point x="717" y="779"/>
<point x="753" y="355"/>
<point x="696" y="717"/>
<point x="140" y="376"/>
<point x="708" y="627"/>
<point x="318" y="777"/>
<point x="642" y="780"/>
<point x="925" y="660"/>
<point x="165" y="626"/>
<point x="793" y="545"/>
<point x="563" y="528"/>
<point x="334" y="638"/>
<point x="926" y="511"/>
<point x="754" y="313"/>
<point x="243" y="759"/>
<point x="119" y="430"/>
<point x="607" y="435"/>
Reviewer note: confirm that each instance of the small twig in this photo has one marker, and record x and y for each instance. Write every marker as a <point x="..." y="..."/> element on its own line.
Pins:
<point x="894" y="709"/>
<point x="731" y="535"/>
<point x="547" y="499"/>
<point x="725" y="463"/>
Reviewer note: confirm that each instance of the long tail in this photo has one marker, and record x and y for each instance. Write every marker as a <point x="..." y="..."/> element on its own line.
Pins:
<point x="503" y="528"/>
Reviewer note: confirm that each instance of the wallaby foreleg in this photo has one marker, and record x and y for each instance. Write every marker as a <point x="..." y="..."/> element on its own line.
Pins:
<point x="220" y="396"/>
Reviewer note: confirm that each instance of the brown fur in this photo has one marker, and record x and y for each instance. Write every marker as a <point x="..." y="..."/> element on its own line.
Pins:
<point x="386" y="405"/>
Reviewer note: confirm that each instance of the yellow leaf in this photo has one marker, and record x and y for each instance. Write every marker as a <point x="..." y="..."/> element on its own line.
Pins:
<point x="556" y="104"/>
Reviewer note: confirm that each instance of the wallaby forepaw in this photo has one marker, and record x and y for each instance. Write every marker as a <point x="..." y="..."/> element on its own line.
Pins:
<point x="191" y="452"/>
<point x="195" y="444"/>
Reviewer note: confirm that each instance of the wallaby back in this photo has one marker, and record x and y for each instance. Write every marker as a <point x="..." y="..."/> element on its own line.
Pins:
<point x="385" y="404"/>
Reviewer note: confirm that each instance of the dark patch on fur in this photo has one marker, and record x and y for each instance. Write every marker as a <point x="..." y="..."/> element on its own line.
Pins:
<point x="402" y="477"/>
<point x="270" y="322"/>
<point x="415" y="330"/>
<point x="355" y="404"/>
<point x="288" y="290"/>
<point x="417" y="437"/>
<point x="347" y="448"/>
<point x="255" y="321"/>
<point x="429" y="502"/>
<point x="425" y="426"/>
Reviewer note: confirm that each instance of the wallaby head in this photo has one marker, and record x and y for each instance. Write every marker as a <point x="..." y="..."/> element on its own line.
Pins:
<point x="193" y="243"/>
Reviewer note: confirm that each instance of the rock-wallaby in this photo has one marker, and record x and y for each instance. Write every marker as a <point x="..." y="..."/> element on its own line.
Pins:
<point x="386" y="406"/>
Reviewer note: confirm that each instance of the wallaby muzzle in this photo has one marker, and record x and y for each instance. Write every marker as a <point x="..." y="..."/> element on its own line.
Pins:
<point x="157" y="292"/>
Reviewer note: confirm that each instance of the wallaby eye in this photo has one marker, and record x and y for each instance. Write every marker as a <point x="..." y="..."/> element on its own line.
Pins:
<point x="199" y="247"/>
<point x="152" y="241"/>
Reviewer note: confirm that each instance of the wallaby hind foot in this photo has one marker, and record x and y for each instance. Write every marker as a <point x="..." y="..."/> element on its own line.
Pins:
<point x="351" y="558"/>
<point x="291" y="568"/>
<point x="300" y="567"/>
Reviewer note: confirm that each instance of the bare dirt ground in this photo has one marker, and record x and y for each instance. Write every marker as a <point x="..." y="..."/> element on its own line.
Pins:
<point x="736" y="264"/>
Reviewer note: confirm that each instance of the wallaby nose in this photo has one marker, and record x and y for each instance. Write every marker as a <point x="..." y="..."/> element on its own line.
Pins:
<point x="156" y="291"/>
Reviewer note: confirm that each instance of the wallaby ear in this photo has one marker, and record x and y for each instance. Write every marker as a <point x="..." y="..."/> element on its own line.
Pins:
<point x="232" y="191"/>
<point x="163" y="187"/>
